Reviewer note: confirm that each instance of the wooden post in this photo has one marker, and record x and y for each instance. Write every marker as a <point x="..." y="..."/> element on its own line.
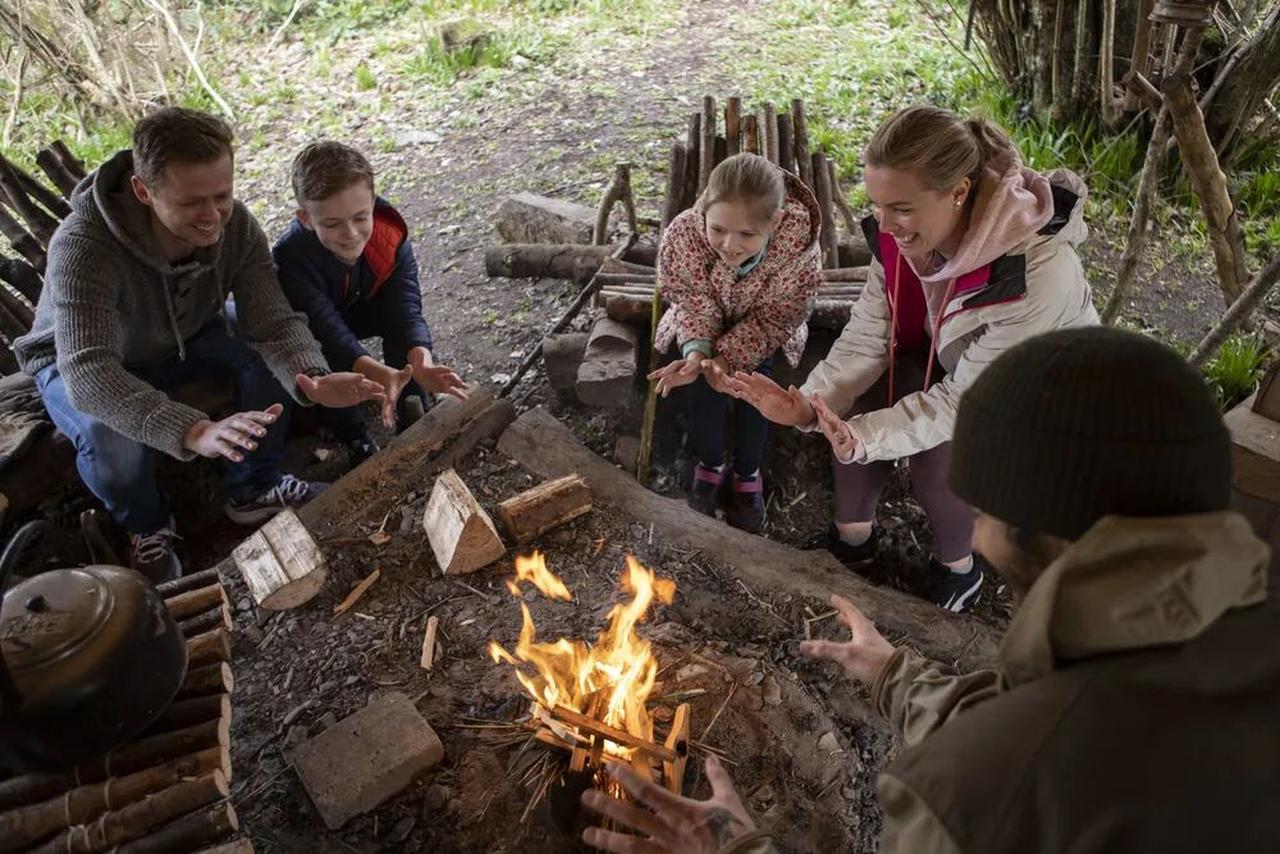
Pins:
<point x="1141" y="49"/>
<point x="842" y="204"/>
<point x="58" y="173"/>
<point x="800" y="143"/>
<point x="733" y="125"/>
<point x="1239" y="311"/>
<point x="786" y="156"/>
<point x="191" y="711"/>
<point x="769" y="131"/>
<point x="547" y="505"/>
<point x="281" y="564"/>
<point x="671" y="204"/>
<point x="707" y="152"/>
<point x="461" y="533"/>
<point x="751" y="135"/>
<point x="693" y="163"/>
<point x="822" y="178"/>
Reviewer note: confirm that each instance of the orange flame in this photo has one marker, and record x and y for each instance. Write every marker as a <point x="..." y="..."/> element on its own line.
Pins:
<point x="611" y="680"/>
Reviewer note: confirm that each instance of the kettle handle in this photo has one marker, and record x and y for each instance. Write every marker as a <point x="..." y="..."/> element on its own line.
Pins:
<point x="10" y="699"/>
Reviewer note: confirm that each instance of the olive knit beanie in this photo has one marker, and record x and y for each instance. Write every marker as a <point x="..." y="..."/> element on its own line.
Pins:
<point x="1078" y="424"/>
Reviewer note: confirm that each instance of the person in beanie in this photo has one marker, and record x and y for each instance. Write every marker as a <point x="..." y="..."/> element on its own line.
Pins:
<point x="1136" y="700"/>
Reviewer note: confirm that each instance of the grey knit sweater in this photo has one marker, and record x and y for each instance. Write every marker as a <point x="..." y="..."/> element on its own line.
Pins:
<point x="111" y="299"/>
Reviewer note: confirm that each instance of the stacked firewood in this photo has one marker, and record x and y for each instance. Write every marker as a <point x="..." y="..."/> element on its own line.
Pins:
<point x="165" y="790"/>
<point x="29" y="215"/>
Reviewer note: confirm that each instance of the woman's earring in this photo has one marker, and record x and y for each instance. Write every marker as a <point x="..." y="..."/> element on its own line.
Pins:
<point x="959" y="202"/>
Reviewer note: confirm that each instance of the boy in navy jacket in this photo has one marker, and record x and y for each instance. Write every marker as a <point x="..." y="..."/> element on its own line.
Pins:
<point x="346" y="262"/>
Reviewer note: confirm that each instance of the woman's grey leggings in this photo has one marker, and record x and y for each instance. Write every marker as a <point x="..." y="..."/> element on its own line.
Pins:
<point x="858" y="486"/>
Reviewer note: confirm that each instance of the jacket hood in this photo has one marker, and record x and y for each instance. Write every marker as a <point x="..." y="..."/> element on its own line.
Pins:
<point x="1013" y="205"/>
<point x="801" y="223"/>
<point x="1131" y="583"/>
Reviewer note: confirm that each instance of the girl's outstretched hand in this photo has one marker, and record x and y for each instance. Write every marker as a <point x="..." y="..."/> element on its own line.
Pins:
<point x="787" y="407"/>
<point x="678" y="373"/>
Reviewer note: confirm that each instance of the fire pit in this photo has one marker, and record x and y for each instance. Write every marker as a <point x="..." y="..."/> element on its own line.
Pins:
<point x="590" y="701"/>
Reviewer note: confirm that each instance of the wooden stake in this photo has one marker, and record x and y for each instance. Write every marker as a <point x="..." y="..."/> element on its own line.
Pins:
<point x="707" y="149"/>
<point x="592" y="726"/>
<point x="194" y="602"/>
<point x="751" y="135"/>
<point x="678" y="742"/>
<point x="211" y="647"/>
<point x="786" y="154"/>
<point x="671" y="204"/>
<point x="733" y="125"/>
<point x="1239" y="311"/>
<point x="800" y="143"/>
<point x="547" y="505"/>
<point x="822" y="178"/>
<point x="693" y="163"/>
<point x="429" y="643"/>
<point x="768" y="118"/>
<point x="619" y="191"/>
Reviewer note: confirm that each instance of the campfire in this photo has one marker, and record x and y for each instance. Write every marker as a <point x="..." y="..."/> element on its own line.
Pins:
<point x="591" y="700"/>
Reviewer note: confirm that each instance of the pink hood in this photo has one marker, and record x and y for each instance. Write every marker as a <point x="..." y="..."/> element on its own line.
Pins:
<point x="1012" y="204"/>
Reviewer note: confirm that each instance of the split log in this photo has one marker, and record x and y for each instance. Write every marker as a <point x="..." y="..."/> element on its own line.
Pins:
<point x="27" y="825"/>
<point x="24" y="278"/>
<point x="194" y="581"/>
<point x="675" y="184"/>
<point x="751" y="134"/>
<point x="212" y="679"/>
<point x="786" y="153"/>
<point x="191" y="711"/>
<point x="733" y="125"/>
<point x="608" y="369"/>
<point x="193" y="602"/>
<point x="822" y="180"/>
<point x="460" y="532"/>
<point x="531" y="218"/>
<point x="800" y="143"/>
<point x="198" y="828"/>
<point x="1201" y="162"/>
<point x="428" y="659"/>
<point x="219" y="617"/>
<point x="52" y="166"/>
<point x="619" y="191"/>
<point x="281" y="564"/>
<point x="136" y="820"/>
<point x="557" y="261"/>
<point x="707" y="149"/>
<point x="677" y="741"/>
<point x="545" y="447"/>
<point x="208" y="648"/>
<point x="547" y="505"/>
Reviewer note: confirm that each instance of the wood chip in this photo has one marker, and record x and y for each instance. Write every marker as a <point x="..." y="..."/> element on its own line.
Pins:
<point x="379" y="538"/>
<point x="429" y="643"/>
<point x="356" y="592"/>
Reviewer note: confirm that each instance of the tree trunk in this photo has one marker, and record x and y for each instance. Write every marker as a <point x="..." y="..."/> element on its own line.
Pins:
<point x="1243" y="92"/>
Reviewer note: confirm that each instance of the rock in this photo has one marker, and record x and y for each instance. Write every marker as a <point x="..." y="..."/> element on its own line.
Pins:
<point x="350" y="680"/>
<point x="626" y="453"/>
<point x="366" y="758"/>
<point x="327" y="720"/>
<point x="436" y="799"/>
<point x="530" y="218"/>
<point x="608" y="369"/>
<point x="408" y="138"/>
<point x="755" y="677"/>
<point x="690" y="671"/>
<point x="828" y="743"/>
<point x="322" y="455"/>
<point x="500" y="378"/>
<point x="561" y="356"/>
<point x="254" y="635"/>
<point x="772" y="691"/>
<point x="403" y="828"/>
<point x="244" y="604"/>
<point x="296" y="735"/>
<point x="763" y="795"/>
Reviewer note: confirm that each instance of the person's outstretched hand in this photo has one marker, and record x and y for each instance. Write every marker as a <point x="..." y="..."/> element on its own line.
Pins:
<point x="231" y="436"/>
<point x="345" y="388"/>
<point x="863" y="655"/>
<point x="665" y="821"/>
<point x="435" y="379"/>
<point x="838" y="432"/>
<point x="716" y="373"/>
<point x="788" y="407"/>
<point x="675" y="374"/>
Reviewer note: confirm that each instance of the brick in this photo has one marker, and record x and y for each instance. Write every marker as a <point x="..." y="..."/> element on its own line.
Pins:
<point x="366" y="758"/>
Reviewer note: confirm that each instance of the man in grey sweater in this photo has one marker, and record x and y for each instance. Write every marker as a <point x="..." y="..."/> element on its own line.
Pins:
<point x="133" y="306"/>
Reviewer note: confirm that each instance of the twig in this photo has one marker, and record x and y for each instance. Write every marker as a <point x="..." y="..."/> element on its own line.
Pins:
<point x="762" y="603"/>
<point x="191" y="57"/>
<point x="18" y="80"/>
<point x="275" y="37"/>
<point x="727" y="697"/>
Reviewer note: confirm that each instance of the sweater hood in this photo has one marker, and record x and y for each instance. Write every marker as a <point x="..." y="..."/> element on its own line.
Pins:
<point x="1013" y="204"/>
<point x="1131" y="583"/>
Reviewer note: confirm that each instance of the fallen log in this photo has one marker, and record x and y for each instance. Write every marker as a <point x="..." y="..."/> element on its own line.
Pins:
<point x="530" y="218"/>
<point x="544" y="446"/>
<point x="547" y="505"/>
<point x="203" y="827"/>
<point x="460" y="532"/>
<point x="557" y="261"/>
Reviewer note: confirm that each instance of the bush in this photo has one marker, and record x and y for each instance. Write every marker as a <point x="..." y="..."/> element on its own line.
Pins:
<point x="1234" y="371"/>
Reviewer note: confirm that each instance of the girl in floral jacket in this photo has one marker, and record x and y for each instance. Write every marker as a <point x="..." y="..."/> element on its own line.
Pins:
<point x="741" y="269"/>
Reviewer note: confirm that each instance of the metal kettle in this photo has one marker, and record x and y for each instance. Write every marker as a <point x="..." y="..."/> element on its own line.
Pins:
<point x="89" y="658"/>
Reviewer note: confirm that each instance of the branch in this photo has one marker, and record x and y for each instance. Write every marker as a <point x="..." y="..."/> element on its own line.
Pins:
<point x="191" y="57"/>
<point x="19" y="76"/>
<point x="1239" y="310"/>
<point x="275" y="37"/>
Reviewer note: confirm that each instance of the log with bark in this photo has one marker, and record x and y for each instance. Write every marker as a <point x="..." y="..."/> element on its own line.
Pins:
<point x="208" y="648"/>
<point x="531" y="218"/>
<point x="750" y="134"/>
<point x="786" y="149"/>
<point x="733" y="125"/>
<point x="181" y="714"/>
<point x="202" y="827"/>
<point x="219" y="617"/>
<point x="558" y="261"/>
<point x="675" y="186"/>
<point x="800" y="143"/>
<point x="192" y="602"/>
<point x="822" y="178"/>
<point x="194" y="581"/>
<point x="547" y="505"/>
<point x="52" y="166"/>
<point x="212" y="679"/>
<point x="22" y="277"/>
<point x="707" y="142"/>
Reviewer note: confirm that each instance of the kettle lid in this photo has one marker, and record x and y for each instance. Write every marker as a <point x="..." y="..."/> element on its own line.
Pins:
<point x="47" y="617"/>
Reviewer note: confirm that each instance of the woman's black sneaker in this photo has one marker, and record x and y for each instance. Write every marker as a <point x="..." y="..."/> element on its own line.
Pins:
<point x="850" y="555"/>
<point x="954" y="591"/>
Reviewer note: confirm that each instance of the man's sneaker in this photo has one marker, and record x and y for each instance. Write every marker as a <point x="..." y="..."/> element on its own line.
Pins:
<point x="851" y="556"/>
<point x="746" y="504"/>
<point x="289" y="492"/>
<point x="153" y="555"/>
<point x="954" y="591"/>
<point x="704" y="493"/>
<point x="359" y="450"/>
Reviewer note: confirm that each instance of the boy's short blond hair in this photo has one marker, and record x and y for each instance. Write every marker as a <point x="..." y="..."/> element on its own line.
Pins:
<point x="324" y="168"/>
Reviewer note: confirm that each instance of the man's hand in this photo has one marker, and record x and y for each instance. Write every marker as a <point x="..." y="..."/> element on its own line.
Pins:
<point x="391" y="380"/>
<point x="678" y="373"/>
<point x="717" y="374"/>
<point x="788" y="407"/>
<point x="836" y="429"/>
<point x="671" y="823"/>
<point x="232" y="435"/>
<point x="346" y="388"/>
<point x="435" y="379"/>
<point x="866" y="652"/>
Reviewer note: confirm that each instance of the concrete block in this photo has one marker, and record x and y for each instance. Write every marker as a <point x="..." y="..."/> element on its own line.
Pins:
<point x="366" y="758"/>
<point x="561" y="356"/>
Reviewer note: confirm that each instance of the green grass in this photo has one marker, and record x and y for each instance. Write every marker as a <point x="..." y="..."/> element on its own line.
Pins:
<point x="1234" y="371"/>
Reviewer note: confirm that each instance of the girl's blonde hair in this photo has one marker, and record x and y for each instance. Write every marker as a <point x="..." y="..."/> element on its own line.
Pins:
<point x="750" y="179"/>
<point x="938" y="146"/>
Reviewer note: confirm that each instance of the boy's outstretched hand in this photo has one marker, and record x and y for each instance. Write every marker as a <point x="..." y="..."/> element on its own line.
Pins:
<point x="866" y="651"/>
<point x="665" y="821"/>
<point x="345" y="388"/>
<point x="435" y="379"/>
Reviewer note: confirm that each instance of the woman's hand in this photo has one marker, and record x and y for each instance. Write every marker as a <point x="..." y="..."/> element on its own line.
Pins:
<point x="788" y="407"/>
<point x="866" y="652"/>
<point x="716" y="372"/>
<point x="678" y="373"/>
<point x="670" y="824"/>
<point x="836" y="429"/>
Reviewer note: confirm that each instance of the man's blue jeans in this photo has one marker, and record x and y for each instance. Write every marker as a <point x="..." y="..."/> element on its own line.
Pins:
<point x="122" y="472"/>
